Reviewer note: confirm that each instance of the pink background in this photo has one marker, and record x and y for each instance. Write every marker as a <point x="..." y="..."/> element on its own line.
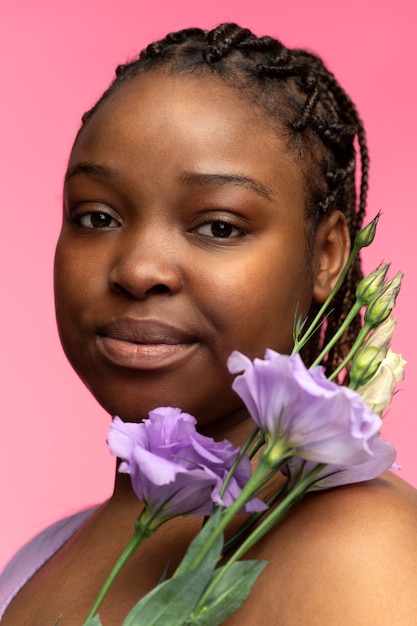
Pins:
<point x="56" y="58"/>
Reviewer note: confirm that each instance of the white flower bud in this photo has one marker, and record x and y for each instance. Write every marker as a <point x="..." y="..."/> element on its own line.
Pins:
<point x="372" y="353"/>
<point x="377" y="393"/>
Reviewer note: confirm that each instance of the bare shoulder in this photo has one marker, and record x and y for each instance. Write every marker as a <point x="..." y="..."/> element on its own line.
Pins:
<point x="347" y="556"/>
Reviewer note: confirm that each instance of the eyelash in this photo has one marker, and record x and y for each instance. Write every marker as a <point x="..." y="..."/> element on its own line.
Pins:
<point x="80" y="218"/>
<point x="104" y="220"/>
<point x="225" y="223"/>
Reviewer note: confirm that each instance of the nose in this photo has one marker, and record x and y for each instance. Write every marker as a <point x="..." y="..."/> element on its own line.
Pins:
<point x="146" y="266"/>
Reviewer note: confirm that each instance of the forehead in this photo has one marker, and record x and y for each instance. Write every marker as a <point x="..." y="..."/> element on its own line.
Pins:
<point x="189" y="122"/>
<point x="182" y="94"/>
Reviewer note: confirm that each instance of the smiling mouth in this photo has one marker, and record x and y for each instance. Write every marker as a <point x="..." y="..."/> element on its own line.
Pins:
<point x="144" y="344"/>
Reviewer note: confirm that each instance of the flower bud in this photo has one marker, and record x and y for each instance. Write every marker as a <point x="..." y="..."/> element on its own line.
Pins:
<point x="366" y="236"/>
<point x="370" y="285"/>
<point x="372" y="353"/>
<point x="382" y="335"/>
<point x="380" y="308"/>
<point x="377" y="392"/>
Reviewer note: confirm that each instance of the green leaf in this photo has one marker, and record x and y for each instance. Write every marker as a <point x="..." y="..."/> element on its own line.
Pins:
<point x="95" y="621"/>
<point x="229" y="594"/>
<point x="172" y="602"/>
<point x="199" y="542"/>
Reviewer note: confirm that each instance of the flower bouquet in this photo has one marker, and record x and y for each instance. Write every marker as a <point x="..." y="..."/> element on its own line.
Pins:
<point x="314" y="431"/>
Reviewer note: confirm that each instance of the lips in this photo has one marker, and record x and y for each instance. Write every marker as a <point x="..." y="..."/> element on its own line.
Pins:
<point x="144" y="343"/>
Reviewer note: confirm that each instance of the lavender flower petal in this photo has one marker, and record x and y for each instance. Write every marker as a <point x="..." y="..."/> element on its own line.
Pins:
<point x="334" y="475"/>
<point x="303" y="411"/>
<point x="174" y="469"/>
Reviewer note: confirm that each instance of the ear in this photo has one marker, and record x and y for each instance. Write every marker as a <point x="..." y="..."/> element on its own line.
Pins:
<point x="332" y="247"/>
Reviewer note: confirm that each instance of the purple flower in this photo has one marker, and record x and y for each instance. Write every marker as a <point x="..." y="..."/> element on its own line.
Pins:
<point x="382" y="459"/>
<point x="303" y="413"/>
<point x="174" y="469"/>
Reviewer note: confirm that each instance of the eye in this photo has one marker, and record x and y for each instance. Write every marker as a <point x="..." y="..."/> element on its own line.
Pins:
<point x="220" y="229"/>
<point x="96" y="219"/>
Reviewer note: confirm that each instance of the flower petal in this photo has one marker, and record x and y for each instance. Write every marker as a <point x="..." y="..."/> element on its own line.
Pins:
<point x="333" y="475"/>
<point x="301" y="410"/>
<point x="174" y="469"/>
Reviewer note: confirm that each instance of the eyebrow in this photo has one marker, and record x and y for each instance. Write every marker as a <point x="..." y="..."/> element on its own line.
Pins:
<point x="190" y="178"/>
<point x="245" y="182"/>
<point x="93" y="169"/>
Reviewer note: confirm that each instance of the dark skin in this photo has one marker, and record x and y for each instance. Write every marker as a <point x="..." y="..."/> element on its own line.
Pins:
<point x="184" y="238"/>
<point x="205" y="237"/>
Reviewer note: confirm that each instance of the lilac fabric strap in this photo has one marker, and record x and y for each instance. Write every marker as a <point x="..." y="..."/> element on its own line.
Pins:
<point x="35" y="553"/>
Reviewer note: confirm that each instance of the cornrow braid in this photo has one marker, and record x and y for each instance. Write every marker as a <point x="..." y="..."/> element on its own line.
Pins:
<point x="296" y="90"/>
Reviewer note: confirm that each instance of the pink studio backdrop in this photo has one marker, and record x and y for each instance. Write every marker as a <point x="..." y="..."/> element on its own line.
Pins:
<point x="56" y="58"/>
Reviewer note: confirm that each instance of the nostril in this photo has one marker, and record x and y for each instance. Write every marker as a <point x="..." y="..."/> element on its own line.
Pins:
<point x="158" y="289"/>
<point x="141" y="275"/>
<point x="118" y="288"/>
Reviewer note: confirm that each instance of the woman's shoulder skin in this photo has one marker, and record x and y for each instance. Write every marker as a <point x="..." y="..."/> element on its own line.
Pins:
<point x="347" y="556"/>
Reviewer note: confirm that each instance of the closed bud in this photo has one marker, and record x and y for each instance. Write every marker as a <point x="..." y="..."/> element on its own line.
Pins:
<point x="378" y="391"/>
<point x="366" y="236"/>
<point x="374" y="350"/>
<point x="380" y="308"/>
<point x="371" y="285"/>
<point x="383" y="333"/>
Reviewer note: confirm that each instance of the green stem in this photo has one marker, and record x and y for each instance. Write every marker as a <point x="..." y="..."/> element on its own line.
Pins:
<point x="251" y="521"/>
<point x="350" y="316"/>
<point x="142" y="532"/>
<point x="298" y="344"/>
<point x="357" y="344"/>
<point x="260" y="442"/>
<point x="260" y="476"/>
<point x="264" y="527"/>
<point x="237" y="461"/>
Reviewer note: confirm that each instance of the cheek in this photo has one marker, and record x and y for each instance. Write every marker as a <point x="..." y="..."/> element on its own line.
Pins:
<point x="254" y="304"/>
<point x="64" y="277"/>
<point x="75" y="283"/>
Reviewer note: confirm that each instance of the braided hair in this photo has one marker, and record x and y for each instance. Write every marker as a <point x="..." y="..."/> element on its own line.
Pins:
<point x="321" y="123"/>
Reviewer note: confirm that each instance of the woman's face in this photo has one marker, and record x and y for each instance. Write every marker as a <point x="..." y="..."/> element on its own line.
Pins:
<point x="183" y="239"/>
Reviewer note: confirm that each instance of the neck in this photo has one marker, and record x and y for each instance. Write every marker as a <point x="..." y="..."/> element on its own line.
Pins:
<point x="236" y="427"/>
